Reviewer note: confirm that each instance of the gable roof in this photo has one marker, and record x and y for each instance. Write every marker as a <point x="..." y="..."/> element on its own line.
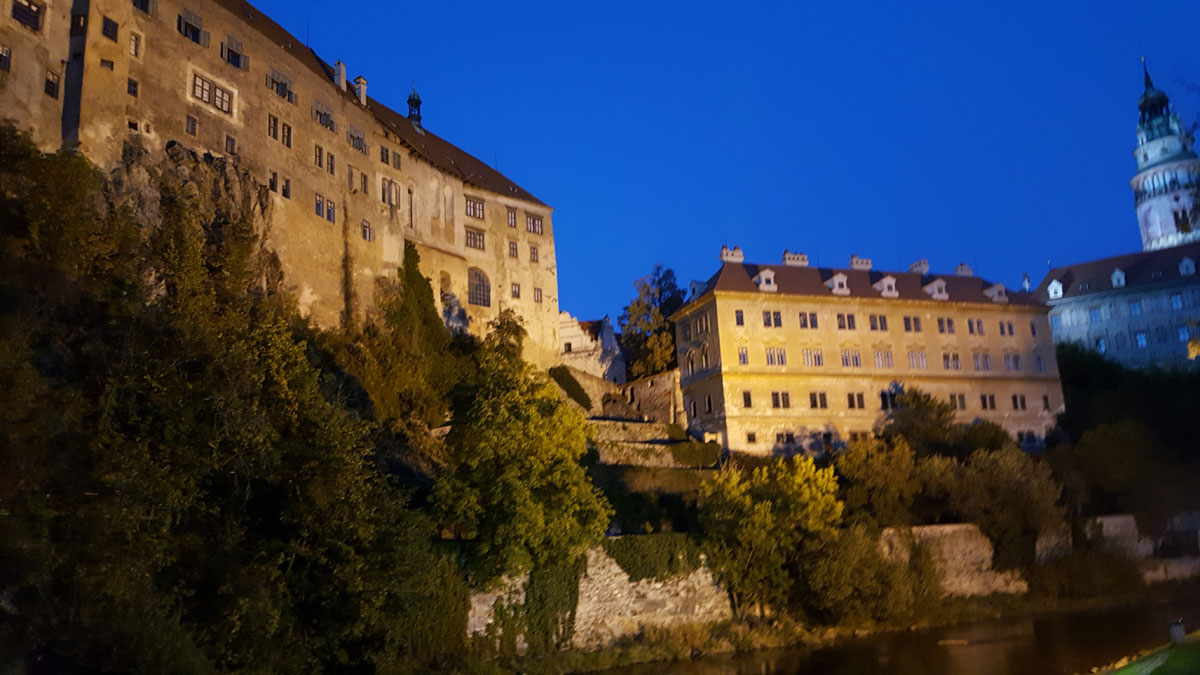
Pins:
<point x="1141" y="269"/>
<point x="440" y="153"/>
<point x="791" y="280"/>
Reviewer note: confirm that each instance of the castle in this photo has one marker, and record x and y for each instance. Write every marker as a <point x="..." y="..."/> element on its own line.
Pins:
<point x="781" y="358"/>
<point x="1142" y="309"/>
<point x="350" y="179"/>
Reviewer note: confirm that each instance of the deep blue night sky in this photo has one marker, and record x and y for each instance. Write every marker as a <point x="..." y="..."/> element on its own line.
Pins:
<point x="1000" y="136"/>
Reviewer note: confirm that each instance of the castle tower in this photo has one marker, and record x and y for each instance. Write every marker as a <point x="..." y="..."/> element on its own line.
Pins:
<point x="1168" y="174"/>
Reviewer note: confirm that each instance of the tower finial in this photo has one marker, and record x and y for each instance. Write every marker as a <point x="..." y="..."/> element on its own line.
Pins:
<point x="414" y="105"/>
<point x="1149" y="82"/>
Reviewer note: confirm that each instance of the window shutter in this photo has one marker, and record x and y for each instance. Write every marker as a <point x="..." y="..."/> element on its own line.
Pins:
<point x="179" y="24"/>
<point x="245" y="62"/>
<point x="204" y="38"/>
<point x="223" y="52"/>
<point x="153" y="7"/>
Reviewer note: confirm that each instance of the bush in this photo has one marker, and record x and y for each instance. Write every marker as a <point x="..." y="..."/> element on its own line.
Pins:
<point x="696" y="454"/>
<point x="655" y="556"/>
<point x="574" y="390"/>
<point x="846" y="580"/>
<point x="1086" y="574"/>
<point x="649" y="499"/>
<point x="676" y="433"/>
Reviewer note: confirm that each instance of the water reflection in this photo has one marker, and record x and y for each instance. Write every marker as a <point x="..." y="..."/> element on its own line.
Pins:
<point x="1052" y="645"/>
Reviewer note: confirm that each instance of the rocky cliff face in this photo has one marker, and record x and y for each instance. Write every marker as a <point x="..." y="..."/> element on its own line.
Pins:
<point x="212" y="193"/>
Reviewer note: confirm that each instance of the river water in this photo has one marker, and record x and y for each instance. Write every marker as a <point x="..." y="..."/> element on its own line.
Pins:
<point x="1043" y="645"/>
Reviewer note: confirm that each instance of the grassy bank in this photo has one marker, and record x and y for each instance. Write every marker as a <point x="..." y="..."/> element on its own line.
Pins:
<point x="692" y="641"/>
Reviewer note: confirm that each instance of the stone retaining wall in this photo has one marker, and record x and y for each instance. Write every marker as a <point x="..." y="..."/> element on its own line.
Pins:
<point x="962" y="555"/>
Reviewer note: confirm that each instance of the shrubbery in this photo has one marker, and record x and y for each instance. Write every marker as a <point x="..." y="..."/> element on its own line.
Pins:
<point x="695" y="454"/>
<point x="658" y="556"/>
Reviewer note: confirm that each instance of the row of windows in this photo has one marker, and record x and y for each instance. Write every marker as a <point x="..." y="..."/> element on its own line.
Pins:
<point x="879" y="322"/>
<point x="1141" y="339"/>
<point x="819" y="400"/>
<point x="788" y="438"/>
<point x="1098" y="314"/>
<point x="479" y="289"/>
<point x="852" y="358"/>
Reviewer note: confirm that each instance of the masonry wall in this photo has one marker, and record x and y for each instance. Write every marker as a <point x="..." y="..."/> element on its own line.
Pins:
<point x="657" y="398"/>
<point x="33" y="55"/>
<point x="963" y="556"/>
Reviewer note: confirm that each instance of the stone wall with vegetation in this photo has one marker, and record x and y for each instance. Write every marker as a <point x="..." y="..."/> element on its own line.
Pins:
<point x="648" y="580"/>
<point x="962" y="555"/>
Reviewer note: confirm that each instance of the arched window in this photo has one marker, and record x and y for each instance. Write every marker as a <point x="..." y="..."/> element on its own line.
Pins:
<point x="479" y="290"/>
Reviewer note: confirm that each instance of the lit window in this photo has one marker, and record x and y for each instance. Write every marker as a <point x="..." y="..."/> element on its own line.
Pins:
<point x="533" y="254"/>
<point x="512" y="217"/>
<point x="851" y="358"/>
<point x="883" y="358"/>
<point x="512" y="249"/>
<point x="1177" y="301"/>
<point x="1135" y="308"/>
<point x="776" y="356"/>
<point x="743" y="356"/>
<point x="475" y="239"/>
<point x="533" y="223"/>
<point x="479" y="290"/>
<point x="516" y="291"/>
<point x="1183" y="334"/>
<point x="1140" y="339"/>
<point x="1101" y="346"/>
<point x="537" y="295"/>
<point x="917" y="360"/>
<point x="474" y="207"/>
<point x="813" y="357"/>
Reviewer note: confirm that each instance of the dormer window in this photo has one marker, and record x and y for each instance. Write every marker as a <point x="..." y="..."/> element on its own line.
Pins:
<point x="887" y="287"/>
<point x="996" y="292"/>
<point x="1187" y="267"/>
<point x="937" y="289"/>
<point x="1054" y="289"/>
<point x="1118" y="278"/>
<point x="838" y="284"/>
<point x="765" y="280"/>
<point x="1085" y="285"/>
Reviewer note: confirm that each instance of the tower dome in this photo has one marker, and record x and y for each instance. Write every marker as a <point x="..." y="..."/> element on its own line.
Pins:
<point x="1168" y="172"/>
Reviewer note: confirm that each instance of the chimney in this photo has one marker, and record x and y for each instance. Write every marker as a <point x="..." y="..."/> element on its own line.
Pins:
<point x="339" y="75"/>
<point x="794" y="259"/>
<point x="857" y="263"/>
<point x="963" y="270"/>
<point x="360" y="89"/>
<point x="733" y="255"/>
<point x="920" y="267"/>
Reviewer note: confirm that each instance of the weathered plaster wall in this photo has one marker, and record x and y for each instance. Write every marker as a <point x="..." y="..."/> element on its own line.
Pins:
<point x="656" y="398"/>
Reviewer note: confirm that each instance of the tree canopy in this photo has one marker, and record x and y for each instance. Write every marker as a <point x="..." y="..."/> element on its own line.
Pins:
<point x="646" y="333"/>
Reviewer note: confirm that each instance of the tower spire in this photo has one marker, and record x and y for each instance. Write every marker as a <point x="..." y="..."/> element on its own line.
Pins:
<point x="1149" y="82"/>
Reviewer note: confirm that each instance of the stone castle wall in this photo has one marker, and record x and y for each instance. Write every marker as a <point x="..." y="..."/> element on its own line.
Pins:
<point x="962" y="555"/>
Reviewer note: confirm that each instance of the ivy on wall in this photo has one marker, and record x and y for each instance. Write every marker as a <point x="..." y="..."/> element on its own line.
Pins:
<point x="659" y="556"/>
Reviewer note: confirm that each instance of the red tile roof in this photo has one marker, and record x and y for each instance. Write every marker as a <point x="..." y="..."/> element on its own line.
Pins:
<point x="792" y="280"/>
<point x="433" y="149"/>
<point x="1141" y="269"/>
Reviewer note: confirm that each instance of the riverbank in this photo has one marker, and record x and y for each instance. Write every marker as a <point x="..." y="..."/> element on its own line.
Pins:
<point x="688" y="642"/>
<point x="1164" y="660"/>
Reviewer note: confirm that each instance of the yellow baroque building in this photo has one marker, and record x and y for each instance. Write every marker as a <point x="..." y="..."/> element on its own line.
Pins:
<point x="782" y="358"/>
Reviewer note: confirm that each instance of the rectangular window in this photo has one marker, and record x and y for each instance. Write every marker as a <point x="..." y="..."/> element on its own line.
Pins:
<point x="383" y="154"/>
<point x="1141" y="339"/>
<point x="287" y="188"/>
<point x="816" y="399"/>
<point x="475" y="239"/>
<point x="1046" y="403"/>
<point x="883" y="358"/>
<point x="51" y="87"/>
<point x="512" y="249"/>
<point x="512" y="217"/>
<point x="912" y="324"/>
<point x="143" y="6"/>
<point x="516" y="291"/>
<point x="743" y="356"/>
<point x="1032" y="328"/>
<point x="286" y="135"/>
<point x="951" y="362"/>
<point x="766" y="319"/>
<point x="851" y="358"/>
<point x="855" y="401"/>
<point x="330" y="211"/>
<point x="983" y="361"/>
<point x="368" y="232"/>
<point x="5" y="58"/>
<point x="746" y="399"/>
<point x="190" y="125"/>
<point x="109" y="29"/>
<point x="537" y="295"/>
<point x="845" y="322"/>
<point x="1135" y="308"/>
<point x="533" y="254"/>
<point x="320" y="206"/>
<point x="230" y="145"/>
<point x="987" y="401"/>
<point x="28" y="14"/>
<point x="533" y="223"/>
<point x="776" y="356"/>
<point x="281" y="85"/>
<point x="131" y="87"/>
<point x="135" y="44"/>
<point x="474" y="207"/>
<point x="777" y="319"/>
<point x="1176" y="301"/>
<point x="106" y="64"/>
<point x="813" y="358"/>
<point x="273" y="126"/>
<point x="751" y="437"/>
<point x="887" y="400"/>
<point x="330" y="164"/>
<point x="273" y="182"/>
<point x="958" y="401"/>
<point x="1094" y="315"/>
<point x="739" y="318"/>
<point x="1018" y="401"/>
<point x="779" y="399"/>
<point x="1183" y="333"/>
<point x="191" y="27"/>
<point x="878" y="322"/>
<point x="1040" y="363"/>
<point x="917" y="361"/>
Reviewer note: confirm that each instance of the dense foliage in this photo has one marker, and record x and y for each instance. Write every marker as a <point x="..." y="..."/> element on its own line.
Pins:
<point x="658" y="556"/>
<point x="647" y="336"/>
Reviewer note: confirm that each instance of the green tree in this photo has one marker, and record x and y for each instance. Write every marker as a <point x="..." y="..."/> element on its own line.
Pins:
<point x="1013" y="498"/>
<point x="878" y="482"/>
<point x="756" y="524"/>
<point x="646" y="333"/>
<point x="177" y="493"/>
<point x="928" y="426"/>
<point x="515" y="492"/>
